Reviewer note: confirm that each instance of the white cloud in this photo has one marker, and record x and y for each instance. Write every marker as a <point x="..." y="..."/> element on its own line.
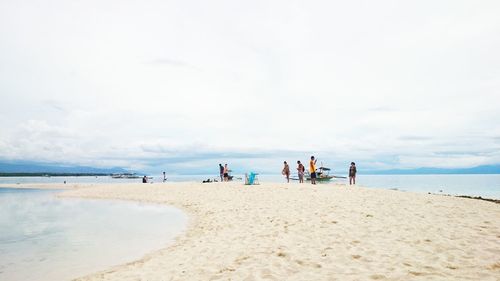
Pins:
<point x="124" y="83"/>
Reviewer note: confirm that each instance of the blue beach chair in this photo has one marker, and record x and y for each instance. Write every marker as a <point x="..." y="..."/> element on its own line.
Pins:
<point x="251" y="179"/>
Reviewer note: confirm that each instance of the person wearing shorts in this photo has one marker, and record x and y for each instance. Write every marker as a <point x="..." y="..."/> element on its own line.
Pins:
<point x="221" y="172"/>
<point x="226" y="173"/>
<point x="300" y="171"/>
<point x="312" y="169"/>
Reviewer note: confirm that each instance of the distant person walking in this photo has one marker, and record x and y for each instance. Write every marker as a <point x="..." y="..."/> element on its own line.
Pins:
<point x="221" y="172"/>
<point x="312" y="169"/>
<point x="145" y="179"/>
<point x="226" y="173"/>
<point x="286" y="172"/>
<point x="352" y="173"/>
<point x="300" y="171"/>
<point x="164" y="177"/>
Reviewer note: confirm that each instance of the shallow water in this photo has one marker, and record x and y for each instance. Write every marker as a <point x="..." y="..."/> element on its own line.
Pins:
<point x="473" y="185"/>
<point x="48" y="238"/>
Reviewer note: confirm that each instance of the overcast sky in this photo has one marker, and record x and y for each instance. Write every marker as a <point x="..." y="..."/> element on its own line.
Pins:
<point x="185" y="85"/>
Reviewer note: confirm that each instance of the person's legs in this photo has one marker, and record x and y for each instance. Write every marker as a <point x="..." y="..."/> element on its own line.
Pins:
<point x="287" y="178"/>
<point x="350" y="180"/>
<point x="354" y="180"/>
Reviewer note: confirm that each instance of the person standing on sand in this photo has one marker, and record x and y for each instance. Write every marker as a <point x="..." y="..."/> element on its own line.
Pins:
<point x="312" y="169"/>
<point x="226" y="173"/>
<point x="221" y="172"/>
<point x="352" y="173"/>
<point x="286" y="172"/>
<point x="300" y="171"/>
<point x="164" y="177"/>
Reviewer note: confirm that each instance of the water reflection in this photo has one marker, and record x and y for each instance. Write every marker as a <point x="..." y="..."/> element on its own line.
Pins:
<point x="46" y="238"/>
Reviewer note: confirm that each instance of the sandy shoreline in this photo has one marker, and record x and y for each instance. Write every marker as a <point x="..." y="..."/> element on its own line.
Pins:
<point x="300" y="232"/>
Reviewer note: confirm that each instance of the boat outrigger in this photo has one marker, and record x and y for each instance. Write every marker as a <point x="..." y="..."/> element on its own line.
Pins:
<point x="322" y="174"/>
<point x="125" y="176"/>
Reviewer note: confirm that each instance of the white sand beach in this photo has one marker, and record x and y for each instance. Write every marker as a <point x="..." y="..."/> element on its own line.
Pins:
<point x="305" y="232"/>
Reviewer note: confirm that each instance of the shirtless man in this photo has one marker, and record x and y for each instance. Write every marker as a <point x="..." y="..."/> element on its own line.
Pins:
<point x="226" y="172"/>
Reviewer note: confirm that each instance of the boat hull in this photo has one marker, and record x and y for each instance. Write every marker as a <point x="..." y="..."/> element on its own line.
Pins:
<point x="321" y="178"/>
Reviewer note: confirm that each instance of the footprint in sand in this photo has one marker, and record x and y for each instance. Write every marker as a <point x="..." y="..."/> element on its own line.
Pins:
<point x="495" y="266"/>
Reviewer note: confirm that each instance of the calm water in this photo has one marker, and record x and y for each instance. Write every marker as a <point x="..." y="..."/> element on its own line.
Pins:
<point x="46" y="238"/>
<point x="474" y="185"/>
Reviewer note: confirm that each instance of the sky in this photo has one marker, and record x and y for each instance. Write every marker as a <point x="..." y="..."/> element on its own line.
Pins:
<point x="182" y="86"/>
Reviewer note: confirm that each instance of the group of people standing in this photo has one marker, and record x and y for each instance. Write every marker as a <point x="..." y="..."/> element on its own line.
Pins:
<point x="312" y="171"/>
<point x="301" y="170"/>
<point x="224" y="172"/>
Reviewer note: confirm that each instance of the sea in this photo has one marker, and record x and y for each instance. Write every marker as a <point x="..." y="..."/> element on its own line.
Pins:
<point x="487" y="185"/>
<point x="44" y="237"/>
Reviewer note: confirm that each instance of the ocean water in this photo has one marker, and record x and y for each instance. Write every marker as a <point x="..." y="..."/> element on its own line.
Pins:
<point x="487" y="186"/>
<point x="102" y="179"/>
<point x="473" y="185"/>
<point x="47" y="238"/>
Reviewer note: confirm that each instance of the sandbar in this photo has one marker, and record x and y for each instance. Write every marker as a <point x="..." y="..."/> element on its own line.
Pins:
<point x="297" y="231"/>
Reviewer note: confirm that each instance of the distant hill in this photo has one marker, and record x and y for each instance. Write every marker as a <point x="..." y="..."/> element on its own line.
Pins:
<point x="34" y="167"/>
<point x="486" y="169"/>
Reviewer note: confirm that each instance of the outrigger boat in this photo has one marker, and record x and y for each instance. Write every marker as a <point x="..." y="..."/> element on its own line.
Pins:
<point x="125" y="176"/>
<point x="322" y="174"/>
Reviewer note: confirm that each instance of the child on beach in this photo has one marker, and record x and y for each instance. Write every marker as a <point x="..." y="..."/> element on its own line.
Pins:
<point x="312" y="169"/>
<point x="352" y="173"/>
<point x="301" y="170"/>
<point x="286" y="172"/>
